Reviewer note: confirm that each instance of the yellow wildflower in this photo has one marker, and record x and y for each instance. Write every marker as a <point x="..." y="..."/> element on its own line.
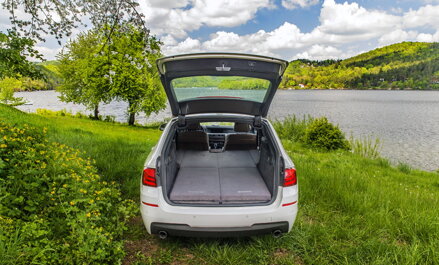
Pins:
<point x="72" y="203"/>
<point x="88" y="214"/>
<point x="3" y="146"/>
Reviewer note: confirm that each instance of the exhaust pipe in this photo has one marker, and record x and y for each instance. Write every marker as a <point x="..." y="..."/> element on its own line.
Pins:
<point x="163" y="234"/>
<point x="277" y="233"/>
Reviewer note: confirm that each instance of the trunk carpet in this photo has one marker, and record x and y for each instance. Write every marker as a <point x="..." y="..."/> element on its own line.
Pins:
<point x="228" y="177"/>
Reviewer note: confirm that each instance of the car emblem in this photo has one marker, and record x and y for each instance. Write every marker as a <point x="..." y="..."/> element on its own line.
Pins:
<point x="223" y="68"/>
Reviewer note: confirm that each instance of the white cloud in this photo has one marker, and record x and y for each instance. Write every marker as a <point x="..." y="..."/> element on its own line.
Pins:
<point x="181" y="17"/>
<point x="397" y="35"/>
<point x="425" y="16"/>
<point x="321" y="52"/>
<point x="223" y="41"/>
<point x="286" y="36"/>
<point x="189" y="45"/>
<point x="292" y="4"/>
<point x="353" y="20"/>
<point x="49" y="53"/>
<point x="425" y="37"/>
<point x="169" y="3"/>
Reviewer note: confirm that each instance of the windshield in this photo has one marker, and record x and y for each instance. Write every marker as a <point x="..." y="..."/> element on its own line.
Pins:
<point x="236" y="87"/>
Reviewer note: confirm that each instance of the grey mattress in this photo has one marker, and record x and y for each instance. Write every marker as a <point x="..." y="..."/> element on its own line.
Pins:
<point x="228" y="177"/>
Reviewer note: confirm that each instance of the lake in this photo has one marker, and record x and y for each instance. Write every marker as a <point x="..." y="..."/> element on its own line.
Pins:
<point x="406" y="122"/>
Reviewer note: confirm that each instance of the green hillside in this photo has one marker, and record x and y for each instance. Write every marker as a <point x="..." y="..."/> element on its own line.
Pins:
<point x="406" y="65"/>
<point x="51" y="72"/>
<point x="51" y="79"/>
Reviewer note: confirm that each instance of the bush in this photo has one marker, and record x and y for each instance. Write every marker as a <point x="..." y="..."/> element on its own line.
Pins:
<point x="54" y="207"/>
<point x="322" y="134"/>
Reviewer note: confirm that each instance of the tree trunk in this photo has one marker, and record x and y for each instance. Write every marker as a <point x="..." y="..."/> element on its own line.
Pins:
<point x="131" y="118"/>
<point x="96" y="112"/>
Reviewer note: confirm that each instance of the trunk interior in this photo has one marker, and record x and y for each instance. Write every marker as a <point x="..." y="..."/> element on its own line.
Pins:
<point x="220" y="165"/>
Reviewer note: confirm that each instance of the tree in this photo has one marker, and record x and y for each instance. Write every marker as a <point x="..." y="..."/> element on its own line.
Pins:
<point x="59" y="17"/>
<point x="83" y="69"/>
<point x="14" y="54"/>
<point x="95" y="71"/>
<point x="133" y="75"/>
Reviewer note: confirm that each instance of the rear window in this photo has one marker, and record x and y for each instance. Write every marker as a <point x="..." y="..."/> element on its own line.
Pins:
<point x="236" y="87"/>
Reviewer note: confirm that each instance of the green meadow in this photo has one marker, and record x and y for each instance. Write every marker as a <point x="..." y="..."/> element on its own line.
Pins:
<point x="352" y="209"/>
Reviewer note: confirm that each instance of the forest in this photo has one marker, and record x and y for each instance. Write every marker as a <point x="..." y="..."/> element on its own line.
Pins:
<point x="406" y="65"/>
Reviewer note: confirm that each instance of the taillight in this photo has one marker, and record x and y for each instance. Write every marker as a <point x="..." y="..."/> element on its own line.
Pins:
<point x="149" y="178"/>
<point x="290" y="178"/>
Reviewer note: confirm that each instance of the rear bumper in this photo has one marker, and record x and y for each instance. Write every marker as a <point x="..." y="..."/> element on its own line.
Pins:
<point x="215" y="232"/>
<point x="155" y="210"/>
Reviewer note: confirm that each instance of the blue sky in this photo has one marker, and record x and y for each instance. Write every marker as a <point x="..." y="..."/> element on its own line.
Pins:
<point x="289" y="29"/>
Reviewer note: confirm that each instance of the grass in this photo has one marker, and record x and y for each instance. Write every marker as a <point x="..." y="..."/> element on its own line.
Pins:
<point x="352" y="210"/>
<point x="366" y="147"/>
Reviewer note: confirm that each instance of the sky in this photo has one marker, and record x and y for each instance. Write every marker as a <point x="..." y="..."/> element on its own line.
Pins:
<point x="287" y="29"/>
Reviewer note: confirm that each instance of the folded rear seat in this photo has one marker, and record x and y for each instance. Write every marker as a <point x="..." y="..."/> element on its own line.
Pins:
<point x="196" y="185"/>
<point x="242" y="184"/>
<point x="192" y="158"/>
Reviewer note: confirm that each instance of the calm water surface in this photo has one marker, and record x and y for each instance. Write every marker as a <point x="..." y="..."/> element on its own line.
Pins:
<point x="406" y="122"/>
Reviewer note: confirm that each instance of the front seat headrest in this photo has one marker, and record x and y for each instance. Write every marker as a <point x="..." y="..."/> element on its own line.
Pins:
<point x="242" y="127"/>
<point x="194" y="126"/>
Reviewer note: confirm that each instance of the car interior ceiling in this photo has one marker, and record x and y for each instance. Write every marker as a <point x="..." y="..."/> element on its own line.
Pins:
<point x="220" y="165"/>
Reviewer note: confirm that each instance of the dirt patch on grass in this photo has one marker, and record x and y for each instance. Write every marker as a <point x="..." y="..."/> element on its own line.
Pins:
<point x="287" y="256"/>
<point x="143" y="248"/>
<point x="138" y="241"/>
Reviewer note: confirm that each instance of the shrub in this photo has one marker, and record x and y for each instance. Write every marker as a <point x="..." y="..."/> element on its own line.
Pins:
<point x="322" y="134"/>
<point x="54" y="207"/>
<point x="292" y="128"/>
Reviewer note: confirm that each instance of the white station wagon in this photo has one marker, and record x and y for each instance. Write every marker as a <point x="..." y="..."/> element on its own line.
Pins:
<point x="219" y="168"/>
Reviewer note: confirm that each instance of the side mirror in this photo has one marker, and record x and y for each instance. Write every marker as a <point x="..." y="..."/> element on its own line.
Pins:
<point x="162" y="126"/>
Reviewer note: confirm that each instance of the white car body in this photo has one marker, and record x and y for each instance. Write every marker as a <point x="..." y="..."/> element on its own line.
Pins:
<point x="165" y="218"/>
